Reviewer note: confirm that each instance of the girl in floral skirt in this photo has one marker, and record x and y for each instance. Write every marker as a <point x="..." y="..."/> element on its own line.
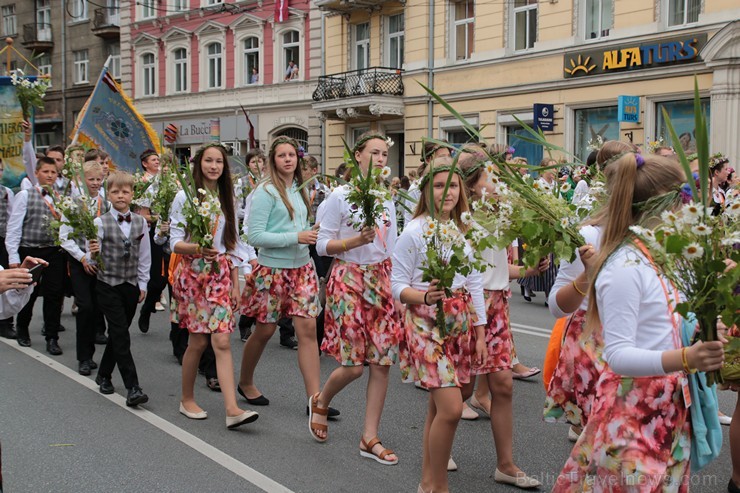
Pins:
<point x="571" y="389"/>
<point x="496" y="368"/>
<point x="637" y="437"/>
<point x="440" y="364"/>
<point x="284" y="284"/>
<point x="361" y="324"/>
<point x="207" y="284"/>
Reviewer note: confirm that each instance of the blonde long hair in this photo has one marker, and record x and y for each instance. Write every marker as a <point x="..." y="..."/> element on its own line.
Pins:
<point x="630" y="184"/>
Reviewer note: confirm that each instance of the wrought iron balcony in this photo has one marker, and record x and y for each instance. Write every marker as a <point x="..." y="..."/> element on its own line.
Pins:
<point x="37" y="37"/>
<point x="374" y="80"/>
<point x="346" y="6"/>
<point x="106" y="22"/>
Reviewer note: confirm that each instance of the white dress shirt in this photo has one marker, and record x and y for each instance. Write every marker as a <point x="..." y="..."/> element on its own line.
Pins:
<point x="408" y="258"/>
<point x="634" y="314"/>
<point x="414" y="193"/>
<point x="568" y="272"/>
<point x="15" y="223"/>
<point x="496" y="275"/>
<point x="239" y="254"/>
<point x="145" y="249"/>
<point x="335" y="224"/>
<point x="12" y="301"/>
<point x="69" y="244"/>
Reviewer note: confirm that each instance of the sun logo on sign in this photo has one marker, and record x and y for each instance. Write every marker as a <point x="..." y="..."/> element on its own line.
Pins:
<point x="582" y="65"/>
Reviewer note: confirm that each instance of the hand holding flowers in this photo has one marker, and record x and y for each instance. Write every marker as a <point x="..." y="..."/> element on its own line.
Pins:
<point x="30" y="93"/>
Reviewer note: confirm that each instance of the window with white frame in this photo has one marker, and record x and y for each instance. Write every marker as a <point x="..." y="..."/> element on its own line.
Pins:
<point x="525" y="24"/>
<point x="78" y="10"/>
<point x="43" y="62"/>
<point x="81" y="67"/>
<point x="113" y="11"/>
<point x="682" y="12"/>
<point x="361" y="34"/>
<point x="43" y="20"/>
<point x="599" y="18"/>
<point x="214" y="65"/>
<point x="291" y="53"/>
<point x="395" y="40"/>
<point x="251" y="59"/>
<point x="43" y="140"/>
<point x="148" y="75"/>
<point x="463" y="29"/>
<point x="147" y="9"/>
<point x="114" y="67"/>
<point x="212" y="2"/>
<point x="180" y="69"/>
<point x="10" y="25"/>
<point x="180" y="5"/>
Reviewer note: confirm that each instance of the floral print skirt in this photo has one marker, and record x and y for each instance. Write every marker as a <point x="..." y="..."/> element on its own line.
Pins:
<point x="498" y="334"/>
<point x="637" y="439"/>
<point x="360" y="322"/>
<point x="573" y="384"/>
<point x="272" y="293"/>
<point x="429" y="359"/>
<point x="203" y="292"/>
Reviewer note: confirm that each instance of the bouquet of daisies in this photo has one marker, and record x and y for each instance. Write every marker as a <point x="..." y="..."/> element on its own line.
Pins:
<point x="201" y="210"/>
<point x="691" y="245"/>
<point x="30" y="93"/>
<point x="367" y="192"/>
<point x="140" y="189"/>
<point x="79" y="214"/>
<point x="167" y="188"/>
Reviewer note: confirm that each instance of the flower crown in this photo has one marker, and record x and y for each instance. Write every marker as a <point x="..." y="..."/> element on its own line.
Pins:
<point x="283" y="140"/>
<point x="440" y="169"/>
<point x="716" y="160"/>
<point x="369" y="137"/>
<point x="654" y="145"/>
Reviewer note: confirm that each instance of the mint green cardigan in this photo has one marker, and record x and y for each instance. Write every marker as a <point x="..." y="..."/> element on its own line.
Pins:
<point x="271" y="230"/>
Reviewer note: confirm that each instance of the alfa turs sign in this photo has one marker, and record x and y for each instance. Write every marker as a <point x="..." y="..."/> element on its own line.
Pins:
<point x="638" y="56"/>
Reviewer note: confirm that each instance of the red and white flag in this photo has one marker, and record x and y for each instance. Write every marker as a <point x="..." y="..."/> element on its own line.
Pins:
<point x="281" y="10"/>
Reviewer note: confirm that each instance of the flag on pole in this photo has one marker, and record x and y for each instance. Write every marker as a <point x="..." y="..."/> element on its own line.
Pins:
<point x="281" y="10"/>
<point x="109" y="121"/>
<point x="252" y="140"/>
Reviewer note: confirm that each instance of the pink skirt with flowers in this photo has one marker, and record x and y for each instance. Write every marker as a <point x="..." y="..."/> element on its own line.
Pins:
<point x="572" y="387"/>
<point x="429" y="359"/>
<point x="637" y="439"/>
<point x="360" y="322"/>
<point x="203" y="292"/>
<point x="272" y="293"/>
<point x="498" y="334"/>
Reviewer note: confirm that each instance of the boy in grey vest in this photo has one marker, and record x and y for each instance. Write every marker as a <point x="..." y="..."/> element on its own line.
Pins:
<point x="123" y="242"/>
<point x="29" y="235"/>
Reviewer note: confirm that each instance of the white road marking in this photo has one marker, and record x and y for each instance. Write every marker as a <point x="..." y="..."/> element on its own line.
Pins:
<point x="530" y="330"/>
<point x="209" y="451"/>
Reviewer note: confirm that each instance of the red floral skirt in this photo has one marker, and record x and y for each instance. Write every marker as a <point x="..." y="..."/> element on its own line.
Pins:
<point x="271" y="294"/>
<point x="203" y="292"/>
<point x="498" y="334"/>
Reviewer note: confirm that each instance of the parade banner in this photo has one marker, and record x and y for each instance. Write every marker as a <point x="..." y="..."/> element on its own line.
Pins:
<point x="11" y="134"/>
<point x="109" y="121"/>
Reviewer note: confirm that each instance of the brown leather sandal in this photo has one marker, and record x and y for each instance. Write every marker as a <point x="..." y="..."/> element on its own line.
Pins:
<point x="313" y="408"/>
<point x="381" y="457"/>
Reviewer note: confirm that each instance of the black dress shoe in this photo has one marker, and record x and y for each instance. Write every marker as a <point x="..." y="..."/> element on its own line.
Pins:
<point x="106" y="386"/>
<point x="24" y="342"/>
<point x="257" y="401"/>
<point x="213" y="384"/>
<point x="93" y="365"/>
<point x="84" y="368"/>
<point x="136" y="396"/>
<point x="333" y="413"/>
<point x="289" y="342"/>
<point x="62" y="328"/>
<point x="101" y="339"/>
<point x="144" y="322"/>
<point x="8" y="333"/>
<point x="52" y="347"/>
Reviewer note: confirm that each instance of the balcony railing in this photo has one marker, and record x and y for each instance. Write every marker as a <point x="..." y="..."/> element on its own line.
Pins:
<point x="37" y="35"/>
<point x="106" y="17"/>
<point x="373" y="80"/>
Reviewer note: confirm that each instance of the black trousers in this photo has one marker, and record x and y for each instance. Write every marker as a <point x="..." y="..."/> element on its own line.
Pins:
<point x="89" y="317"/>
<point x="118" y="304"/>
<point x="51" y="287"/>
<point x="157" y="274"/>
<point x="180" y="337"/>
<point x="8" y="322"/>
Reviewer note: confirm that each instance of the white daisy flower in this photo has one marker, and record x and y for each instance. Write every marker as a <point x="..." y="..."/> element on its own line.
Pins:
<point x="565" y="187"/>
<point x="385" y="172"/>
<point x="564" y="222"/>
<point x="701" y="230"/>
<point x="669" y="217"/>
<point x="466" y="217"/>
<point x="693" y="251"/>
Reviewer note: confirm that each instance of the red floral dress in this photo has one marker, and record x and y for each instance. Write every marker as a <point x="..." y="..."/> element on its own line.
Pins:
<point x="498" y="334"/>
<point x="271" y="294"/>
<point x="203" y="292"/>
<point x="360" y="321"/>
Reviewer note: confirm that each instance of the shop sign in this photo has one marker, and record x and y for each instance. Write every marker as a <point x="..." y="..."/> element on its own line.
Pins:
<point x="628" y="109"/>
<point x="544" y="117"/>
<point x="650" y="54"/>
<point x="198" y="131"/>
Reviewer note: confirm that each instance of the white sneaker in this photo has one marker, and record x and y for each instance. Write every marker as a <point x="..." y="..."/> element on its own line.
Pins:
<point x="158" y="306"/>
<point x="451" y="466"/>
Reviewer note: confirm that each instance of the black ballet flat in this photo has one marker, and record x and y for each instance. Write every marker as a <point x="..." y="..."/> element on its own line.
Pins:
<point x="257" y="401"/>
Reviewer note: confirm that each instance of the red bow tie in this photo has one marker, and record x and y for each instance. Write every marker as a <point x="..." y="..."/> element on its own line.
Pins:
<point x="126" y="218"/>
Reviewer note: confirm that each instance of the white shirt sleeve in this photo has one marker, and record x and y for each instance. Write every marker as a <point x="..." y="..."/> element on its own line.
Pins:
<point x="177" y="220"/>
<point x="15" y="226"/>
<point x="29" y="162"/>
<point x="13" y="300"/>
<point x="329" y="221"/>
<point x="569" y="271"/>
<point x="405" y="260"/>
<point x="619" y="294"/>
<point x="145" y="259"/>
<point x="475" y="287"/>
<point x="68" y="243"/>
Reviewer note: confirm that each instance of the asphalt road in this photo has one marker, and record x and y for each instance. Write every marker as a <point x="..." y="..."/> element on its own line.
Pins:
<point x="60" y="435"/>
